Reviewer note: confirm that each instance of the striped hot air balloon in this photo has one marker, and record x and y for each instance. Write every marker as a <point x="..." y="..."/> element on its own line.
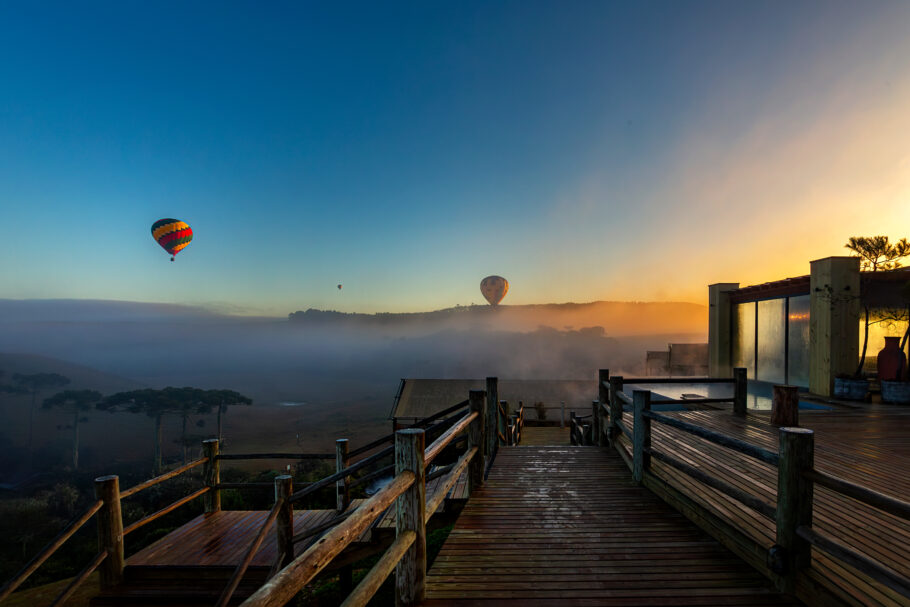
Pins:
<point x="172" y="234"/>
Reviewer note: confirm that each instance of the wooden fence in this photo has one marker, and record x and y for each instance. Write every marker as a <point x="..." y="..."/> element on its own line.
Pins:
<point x="794" y="460"/>
<point x="111" y="531"/>
<point x="407" y="554"/>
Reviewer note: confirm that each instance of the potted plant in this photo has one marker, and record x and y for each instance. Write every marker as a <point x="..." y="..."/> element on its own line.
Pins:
<point x="892" y="362"/>
<point x="876" y="253"/>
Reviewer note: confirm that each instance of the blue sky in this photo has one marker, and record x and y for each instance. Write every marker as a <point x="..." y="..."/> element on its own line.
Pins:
<point x="584" y="150"/>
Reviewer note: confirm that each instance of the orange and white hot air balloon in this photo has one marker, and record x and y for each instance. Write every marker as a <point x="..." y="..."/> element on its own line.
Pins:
<point x="494" y="288"/>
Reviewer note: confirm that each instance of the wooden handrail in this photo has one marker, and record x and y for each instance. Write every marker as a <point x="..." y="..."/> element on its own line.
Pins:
<point x="439" y="496"/>
<point x="79" y="579"/>
<point x="446" y="437"/>
<point x="622" y="426"/>
<point x="388" y="438"/>
<point x="167" y="509"/>
<point x="624" y="397"/>
<point x="332" y="478"/>
<point x="48" y="550"/>
<point x="769" y="457"/>
<point x="380" y="571"/>
<point x="248" y="558"/>
<point x="751" y="501"/>
<point x="891" y="505"/>
<point x="871" y="567"/>
<point x="287" y="582"/>
<point x="678" y="380"/>
<point x="246" y="485"/>
<point x="691" y="401"/>
<point x="158" y="479"/>
<point x="372" y="475"/>
<point x="276" y="456"/>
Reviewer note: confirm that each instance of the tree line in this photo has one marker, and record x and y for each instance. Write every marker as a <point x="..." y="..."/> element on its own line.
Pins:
<point x="154" y="403"/>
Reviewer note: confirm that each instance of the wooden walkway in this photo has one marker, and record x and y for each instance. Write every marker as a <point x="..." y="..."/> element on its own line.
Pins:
<point x="566" y="525"/>
<point x="868" y="446"/>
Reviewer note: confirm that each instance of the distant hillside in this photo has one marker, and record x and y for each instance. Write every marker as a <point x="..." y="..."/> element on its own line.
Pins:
<point x="618" y="318"/>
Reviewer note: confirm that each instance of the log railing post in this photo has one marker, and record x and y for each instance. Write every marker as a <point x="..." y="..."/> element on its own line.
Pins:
<point x="573" y="440"/>
<point x="595" y="422"/>
<point x="476" y="404"/>
<point x="603" y="396"/>
<point x="641" y="434"/>
<point x="110" y="530"/>
<point x="284" y="524"/>
<point x="492" y="429"/>
<point x="586" y="438"/>
<point x="794" y="505"/>
<point x="615" y="409"/>
<point x="740" y="389"/>
<point x="503" y="416"/>
<point x="343" y="493"/>
<point x="785" y="406"/>
<point x="342" y="501"/>
<point x="212" y="474"/>
<point x="410" y="575"/>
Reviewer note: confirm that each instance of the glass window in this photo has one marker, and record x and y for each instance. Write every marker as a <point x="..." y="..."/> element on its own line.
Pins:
<point x="772" y="324"/>
<point x="744" y="337"/>
<point x="798" y="347"/>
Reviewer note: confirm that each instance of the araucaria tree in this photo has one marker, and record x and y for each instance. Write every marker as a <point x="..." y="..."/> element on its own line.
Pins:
<point x="222" y="399"/>
<point x="76" y="403"/>
<point x="876" y="253"/>
<point x="33" y="384"/>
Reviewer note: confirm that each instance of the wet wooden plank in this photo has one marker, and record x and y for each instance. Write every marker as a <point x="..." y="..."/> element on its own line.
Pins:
<point x="566" y="525"/>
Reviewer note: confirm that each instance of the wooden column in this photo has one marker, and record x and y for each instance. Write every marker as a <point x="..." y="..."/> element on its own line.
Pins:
<point x="595" y="422"/>
<point x="603" y="395"/>
<point x="410" y="575"/>
<point x="492" y="416"/>
<point x="475" y="439"/>
<point x="342" y="501"/>
<point x="110" y="530"/>
<point x="284" y="524"/>
<point x="641" y="434"/>
<point x="615" y="409"/>
<point x="343" y="494"/>
<point x="572" y="438"/>
<point x="212" y="475"/>
<point x="794" y="504"/>
<point x="740" y="389"/>
<point x="785" y="406"/>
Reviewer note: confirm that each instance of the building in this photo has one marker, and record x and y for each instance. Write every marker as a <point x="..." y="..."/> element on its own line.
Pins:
<point x="804" y="331"/>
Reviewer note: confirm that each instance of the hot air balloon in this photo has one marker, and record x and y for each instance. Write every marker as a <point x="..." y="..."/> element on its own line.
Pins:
<point x="339" y="287"/>
<point x="494" y="288"/>
<point x="172" y="234"/>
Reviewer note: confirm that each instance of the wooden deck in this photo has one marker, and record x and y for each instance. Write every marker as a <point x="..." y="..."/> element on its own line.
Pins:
<point x="532" y="436"/>
<point x="566" y="525"/>
<point x="868" y="446"/>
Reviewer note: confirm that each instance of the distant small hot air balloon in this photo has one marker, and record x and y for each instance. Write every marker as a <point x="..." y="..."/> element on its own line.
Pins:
<point x="494" y="288"/>
<point x="172" y="234"/>
<point x="339" y="287"/>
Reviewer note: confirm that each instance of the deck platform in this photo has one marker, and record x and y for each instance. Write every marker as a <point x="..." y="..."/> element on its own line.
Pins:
<point x="566" y="525"/>
<point x="869" y="445"/>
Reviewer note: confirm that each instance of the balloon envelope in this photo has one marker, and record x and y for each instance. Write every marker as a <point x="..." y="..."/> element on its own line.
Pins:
<point x="339" y="287"/>
<point x="494" y="288"/>
<point x="172" y="234"/>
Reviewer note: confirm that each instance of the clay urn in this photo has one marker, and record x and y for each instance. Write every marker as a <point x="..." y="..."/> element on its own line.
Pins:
<point x="891" y="360"/>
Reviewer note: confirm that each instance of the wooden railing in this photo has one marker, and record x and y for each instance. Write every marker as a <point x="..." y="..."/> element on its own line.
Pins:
<point x="111" y="531"/>
<point x="509" y="425"/>
<point x="407" y="554"/>
<point x="794" y="460"/>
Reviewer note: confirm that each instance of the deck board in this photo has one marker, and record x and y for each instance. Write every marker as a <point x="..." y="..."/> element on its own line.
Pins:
<point x="566" y="525"/>
<point x="869" y="446"/>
